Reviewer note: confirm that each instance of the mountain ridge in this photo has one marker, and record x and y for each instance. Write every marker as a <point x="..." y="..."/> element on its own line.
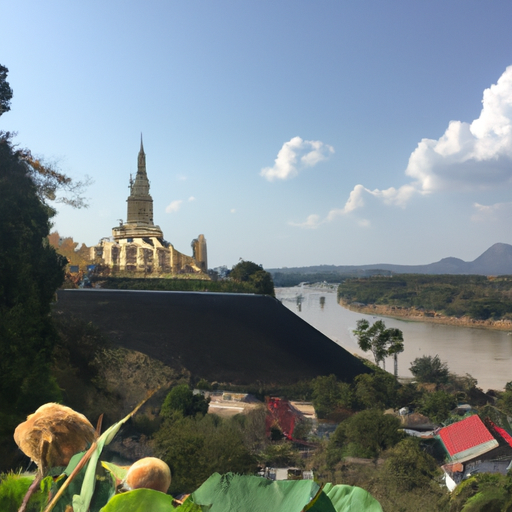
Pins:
<point x="497" y="260"/>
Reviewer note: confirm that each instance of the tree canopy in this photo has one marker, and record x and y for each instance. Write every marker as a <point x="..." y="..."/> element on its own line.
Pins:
<point x="30" y="273"/>
<point x="369" y="432"/>
<point x="182" y="399"/>
<point x="429" y="369"/>
<point x="381" y="341"/>
<point x="249" y="272"/>
<point x="5" y="91"/>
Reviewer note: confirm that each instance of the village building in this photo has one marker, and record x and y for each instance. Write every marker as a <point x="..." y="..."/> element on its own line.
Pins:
<point x="474" y="446"/>
<point x="138" y="245"/>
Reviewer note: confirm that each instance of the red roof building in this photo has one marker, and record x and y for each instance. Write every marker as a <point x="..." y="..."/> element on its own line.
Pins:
<point x="467" y="439"/>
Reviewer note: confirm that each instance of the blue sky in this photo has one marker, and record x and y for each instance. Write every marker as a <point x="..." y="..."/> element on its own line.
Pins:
<point x="288" y="133"/>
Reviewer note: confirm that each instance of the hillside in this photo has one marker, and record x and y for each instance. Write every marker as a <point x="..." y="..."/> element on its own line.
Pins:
<point x="476" y="298"/>
<point x="497" y="260"/>
<point x="237" y="338"/>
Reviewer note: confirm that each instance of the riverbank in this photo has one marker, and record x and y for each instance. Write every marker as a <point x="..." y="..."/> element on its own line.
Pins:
<point x="416" y="315"/>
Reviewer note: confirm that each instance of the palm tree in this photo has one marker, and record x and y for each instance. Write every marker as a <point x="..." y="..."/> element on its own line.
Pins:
<point x="381" y="341"/>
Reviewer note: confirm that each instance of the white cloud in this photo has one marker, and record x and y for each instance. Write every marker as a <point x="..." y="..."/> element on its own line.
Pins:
<point x="191" y="198"/>
<point x="312" y="222"/>
<point x="295" y="155"/>
<point x="493" y="212"/>
<point x="174" y="206"/>
<point x="469" y="156"/>
<point x="232" y="210"/>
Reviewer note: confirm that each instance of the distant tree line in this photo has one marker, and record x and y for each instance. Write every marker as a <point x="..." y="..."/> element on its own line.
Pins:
<point x="285" y="278"/>
<point x="478" y="297"/>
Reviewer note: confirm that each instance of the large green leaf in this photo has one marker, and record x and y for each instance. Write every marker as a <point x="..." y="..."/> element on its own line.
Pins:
<point x="118" y="472"/>
<point x="346" y="498"/>
<point x="82" y="501"/>
<point x="104" y="487"/>
<point x="140" y="500"/>
<point x="244" y="493"/>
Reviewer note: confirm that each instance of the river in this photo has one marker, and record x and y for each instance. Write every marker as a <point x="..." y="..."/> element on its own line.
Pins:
<point x="483" y="353"/>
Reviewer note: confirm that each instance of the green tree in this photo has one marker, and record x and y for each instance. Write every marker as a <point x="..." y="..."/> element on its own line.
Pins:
<point x="249" y="272"/>
<point x="504" y="402"/>
<point x="381" y="341"/>
<point x="437" y="406"/>
<point x="5" y="91"/>
<point x="196" y="447"/>
<point x="395" y="346"/>
<point x="329" y="394"/>
<point x="30" y="273"/>
<point x="280" y="454"/>
<point x="377" y="390"/>
<point x="182" y="399"/>
<point x="429" y="369"/>
<point x="366" y="434"/>
<point x="409" y="466"/>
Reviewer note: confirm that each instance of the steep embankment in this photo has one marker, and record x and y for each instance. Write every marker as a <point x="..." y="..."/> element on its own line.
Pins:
<point x="416" y="315"/>
<point x="238" y="338"/>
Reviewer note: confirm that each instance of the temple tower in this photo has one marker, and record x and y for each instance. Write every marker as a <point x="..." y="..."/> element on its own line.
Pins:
<point x="139" y="221"/>
<point x="140" y="202"/>
<point x="139" y="245"/>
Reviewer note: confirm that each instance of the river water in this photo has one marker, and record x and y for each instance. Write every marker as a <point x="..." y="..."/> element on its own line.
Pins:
<point x="485" y="354"/>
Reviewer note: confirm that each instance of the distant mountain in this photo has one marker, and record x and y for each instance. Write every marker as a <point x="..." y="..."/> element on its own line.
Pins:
<point x="497" y="260"/>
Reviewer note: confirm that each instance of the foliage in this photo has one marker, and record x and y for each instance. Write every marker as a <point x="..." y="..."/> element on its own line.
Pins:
<point x="204" y="385"/>
<point x="478" y="297"/>
<point x="68" y="248"/>
<point x="5" y="91"/>
<point x="373" y="476"/>
<point x="252" y="427"/>
<point x="182" y="399"/>
<point x="140" y="500"/>
<point x="381" y="341"/>
<point x="437" y="405"/>
<point x="408" y="395"/>
<point x="330" y="394"/>
<point x="82" y="484"/>
<point x="487" y="492"/>
<point x="196" y="447"/>
<point x="13" y="488"/>
<point x="30" y="272"/>
<point x="377" y="390"/>
<point x="410" y="466"/>
<point x="285" y="277"/>
<point x="249" y="272"/>
<point x="230" y="492"/>
<point x="365" y="434"/>
<point x="280" y="454"/>
<point x="504" y="402"/>
<point x="174" y="284"/>
<point x="429" y="369"/>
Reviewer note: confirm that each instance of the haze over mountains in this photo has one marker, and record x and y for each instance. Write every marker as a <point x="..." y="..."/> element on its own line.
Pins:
<point x="497" y="260"/>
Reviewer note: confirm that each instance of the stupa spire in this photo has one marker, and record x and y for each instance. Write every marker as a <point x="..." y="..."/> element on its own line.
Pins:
<point x="141" y="167"/>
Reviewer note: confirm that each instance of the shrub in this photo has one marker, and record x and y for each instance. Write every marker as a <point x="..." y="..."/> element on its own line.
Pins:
<point x="429" y="369"/>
